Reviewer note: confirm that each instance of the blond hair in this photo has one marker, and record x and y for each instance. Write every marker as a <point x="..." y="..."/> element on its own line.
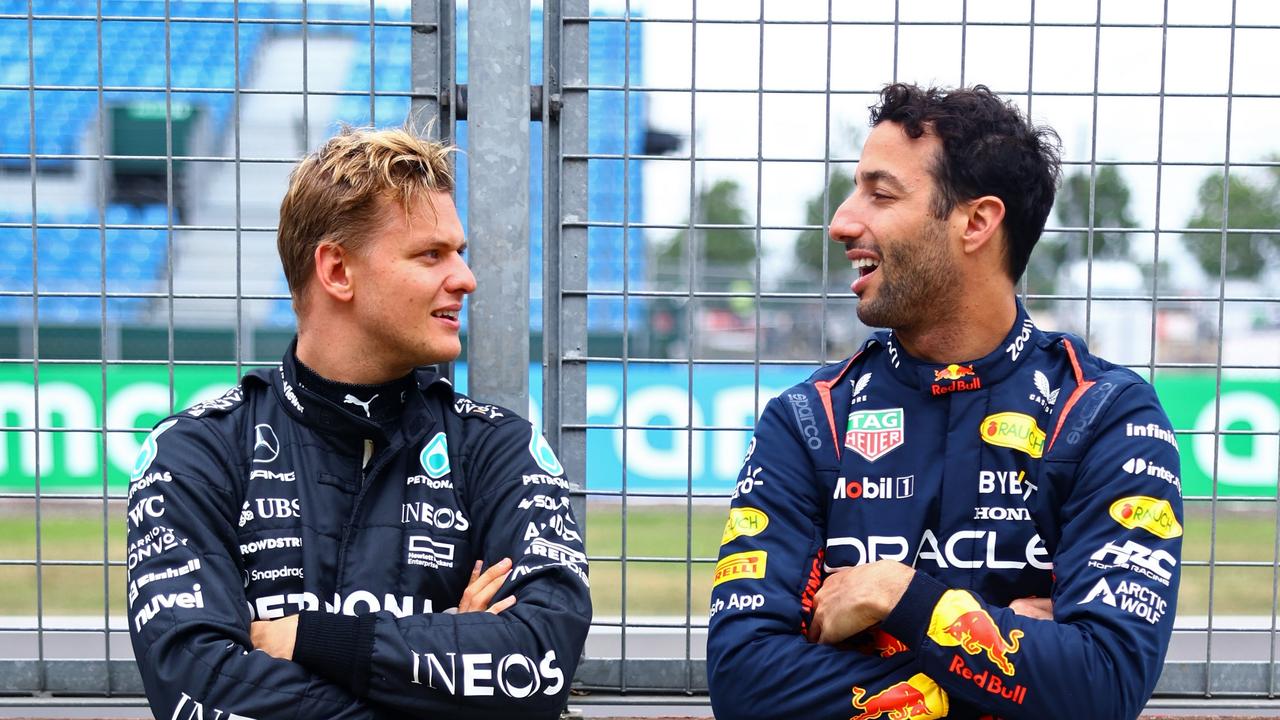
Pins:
<point x="336" y="194"/>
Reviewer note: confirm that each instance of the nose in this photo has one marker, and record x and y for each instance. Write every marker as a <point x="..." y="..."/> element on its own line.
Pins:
<point x="461" y="281"/>
<point x="846" y="224"/>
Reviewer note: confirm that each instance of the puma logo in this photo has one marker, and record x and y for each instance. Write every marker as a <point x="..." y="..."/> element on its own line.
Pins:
<point x="352" y="399"/>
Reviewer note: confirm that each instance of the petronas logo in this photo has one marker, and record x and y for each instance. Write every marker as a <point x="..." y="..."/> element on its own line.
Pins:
<point x="149" y="451"/>
<point x="543" y="455"/>
<point x="435" y="457"/>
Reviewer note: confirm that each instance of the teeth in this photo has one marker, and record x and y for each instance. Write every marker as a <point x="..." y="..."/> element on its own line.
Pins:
<point x="447" y="314"/>
<point x="865" y="263"/>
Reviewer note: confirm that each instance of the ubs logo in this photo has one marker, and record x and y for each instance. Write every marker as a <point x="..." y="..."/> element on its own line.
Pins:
<point x="266" y="446"/>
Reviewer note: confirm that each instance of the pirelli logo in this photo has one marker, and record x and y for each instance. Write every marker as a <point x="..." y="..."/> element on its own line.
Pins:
<point x="741" y="565"/>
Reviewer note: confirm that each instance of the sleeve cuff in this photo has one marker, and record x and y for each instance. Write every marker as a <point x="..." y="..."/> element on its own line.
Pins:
<point x="336" y="647"/>
<point x="909" y="619"/>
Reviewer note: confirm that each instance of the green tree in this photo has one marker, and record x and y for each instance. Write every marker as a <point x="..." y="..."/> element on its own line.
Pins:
<point x="1251" y="205"/>
<point x="813" y="245"/>
<point x="1110" y="210"/>
<point x="719" y="252"/>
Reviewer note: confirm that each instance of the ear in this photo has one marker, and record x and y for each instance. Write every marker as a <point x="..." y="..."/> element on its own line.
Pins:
<point x="983" y="218"/>
<point x="332" y="270"/>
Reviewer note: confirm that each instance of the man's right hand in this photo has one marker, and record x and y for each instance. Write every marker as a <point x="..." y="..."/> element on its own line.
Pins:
<point x="483" y="586"/>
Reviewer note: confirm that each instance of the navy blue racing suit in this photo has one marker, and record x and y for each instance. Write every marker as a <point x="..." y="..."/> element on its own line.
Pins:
<point x="273" y="500"/>
<point x="1036" y="471"/>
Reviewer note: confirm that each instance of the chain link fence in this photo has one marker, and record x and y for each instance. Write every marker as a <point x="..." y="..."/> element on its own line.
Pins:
<point x="685" y="158"/>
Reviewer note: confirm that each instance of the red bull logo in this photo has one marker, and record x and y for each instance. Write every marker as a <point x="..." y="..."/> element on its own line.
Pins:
<point x="916" y="697"/>
<point x="988" y="681"/>
<point x="958" y="619"/>
<point x="954" y="372"/>
<point x="887" y="645"/>
<point x="952" y="379"/>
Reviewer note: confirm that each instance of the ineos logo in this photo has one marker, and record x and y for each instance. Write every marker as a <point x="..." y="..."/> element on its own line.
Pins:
<point x="266" y="446"/>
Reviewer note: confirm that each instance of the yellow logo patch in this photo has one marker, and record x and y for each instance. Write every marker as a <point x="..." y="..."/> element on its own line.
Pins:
<point x="1013" y="430"/>
<point x="1154" y="516"/>
<point x="743" y="522"/>
<point x="741" y="565"/>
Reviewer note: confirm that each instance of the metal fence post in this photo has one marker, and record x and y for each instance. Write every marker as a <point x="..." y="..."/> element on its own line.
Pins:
<point x="498" y="200"/>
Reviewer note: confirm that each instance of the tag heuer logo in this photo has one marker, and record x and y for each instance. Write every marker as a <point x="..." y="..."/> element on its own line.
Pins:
<point x="872" y="433"/>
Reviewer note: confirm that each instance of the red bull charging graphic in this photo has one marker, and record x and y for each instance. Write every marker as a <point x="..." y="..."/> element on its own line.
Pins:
<point x="916" y="697"/>
<point x="958" y="620"/>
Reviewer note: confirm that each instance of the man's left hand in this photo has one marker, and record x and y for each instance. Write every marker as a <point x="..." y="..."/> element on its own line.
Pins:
<point x="275" y="637"/>
<point x="853" y="599"/>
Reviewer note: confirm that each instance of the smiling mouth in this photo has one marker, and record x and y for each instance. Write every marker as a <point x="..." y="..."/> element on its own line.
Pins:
<point x="865" y="266"/>
<point x="446" y="314"/>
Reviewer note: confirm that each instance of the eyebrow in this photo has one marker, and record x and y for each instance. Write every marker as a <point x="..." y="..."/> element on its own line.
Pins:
<point x="883" y="177"/>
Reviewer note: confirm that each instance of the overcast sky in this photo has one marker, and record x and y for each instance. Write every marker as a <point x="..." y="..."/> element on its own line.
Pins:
<point x="792" y="125"/>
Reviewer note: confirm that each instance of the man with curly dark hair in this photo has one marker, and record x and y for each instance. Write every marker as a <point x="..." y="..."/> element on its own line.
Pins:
<point x="970" y="517"/>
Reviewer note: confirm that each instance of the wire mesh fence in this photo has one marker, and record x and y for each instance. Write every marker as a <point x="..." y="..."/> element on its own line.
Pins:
<point x="686" y="158"/>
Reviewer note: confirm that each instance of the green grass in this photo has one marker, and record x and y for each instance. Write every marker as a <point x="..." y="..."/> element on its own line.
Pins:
<point x="658" y="584"/>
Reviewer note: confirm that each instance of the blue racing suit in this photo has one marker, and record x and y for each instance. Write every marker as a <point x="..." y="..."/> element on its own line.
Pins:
<point x="1036" y="471"/>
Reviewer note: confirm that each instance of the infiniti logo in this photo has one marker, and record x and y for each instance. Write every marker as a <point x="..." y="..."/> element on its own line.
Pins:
<point x="266" y="446"/>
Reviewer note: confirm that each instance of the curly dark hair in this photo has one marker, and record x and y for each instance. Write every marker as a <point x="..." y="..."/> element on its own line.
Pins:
<point x="988" y="148"/>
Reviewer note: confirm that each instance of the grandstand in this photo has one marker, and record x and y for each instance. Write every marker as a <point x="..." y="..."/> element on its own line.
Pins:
<point x="97" y="227"/>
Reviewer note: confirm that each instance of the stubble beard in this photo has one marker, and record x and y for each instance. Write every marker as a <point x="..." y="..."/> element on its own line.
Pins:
<point x="922" y="281"/>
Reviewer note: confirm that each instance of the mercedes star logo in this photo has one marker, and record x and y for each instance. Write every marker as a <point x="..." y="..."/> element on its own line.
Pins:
<point x="266" y="446"/>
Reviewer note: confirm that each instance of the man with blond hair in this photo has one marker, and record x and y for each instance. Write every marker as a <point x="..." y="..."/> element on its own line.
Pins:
<point x="346" y="535"/>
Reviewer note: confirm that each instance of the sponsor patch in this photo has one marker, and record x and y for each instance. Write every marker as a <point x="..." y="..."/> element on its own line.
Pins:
<point x="515" y="676"/>
<point x="543" y="455"/>
<point x="228" y="400"/>
<point x="743" y="522"/>
<point x="1157" y="565"/>
<point x="1151" y="430"/>
<point x="749" y="480"/>
<point x="959" y="620"/>
<point x="1142" y="466"/>
<point x="435" y="457"/>
<point x="882" y="488"/>
<point x="1013" y="430"/>
<point x="738" y="566"/>
<point x="874" y="433"/>
<point x="426" y="552"/>
<point x="917" y="697"/>
<point x="737" y="601"/>
<point x="955" y="378"/>
<point x="150" y="449"/>
<point x="1153" y="515"/>
<point x="1131" y="596"/>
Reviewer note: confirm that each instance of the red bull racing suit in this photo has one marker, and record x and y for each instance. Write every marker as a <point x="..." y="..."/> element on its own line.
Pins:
<point x="1036" y="471"/>
<point x="274" y="501"/>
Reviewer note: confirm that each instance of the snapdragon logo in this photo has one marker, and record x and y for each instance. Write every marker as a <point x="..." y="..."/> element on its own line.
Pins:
<point x="149" y="451"/>
<point x="516" y="676"/>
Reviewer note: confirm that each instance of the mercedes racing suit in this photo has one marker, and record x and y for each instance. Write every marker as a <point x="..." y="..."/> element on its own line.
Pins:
<point x="274" y="500"/>
<point x="1036" y="471"/>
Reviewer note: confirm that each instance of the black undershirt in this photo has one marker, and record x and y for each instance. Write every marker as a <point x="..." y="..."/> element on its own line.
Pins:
<point x="382" y="403"/>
